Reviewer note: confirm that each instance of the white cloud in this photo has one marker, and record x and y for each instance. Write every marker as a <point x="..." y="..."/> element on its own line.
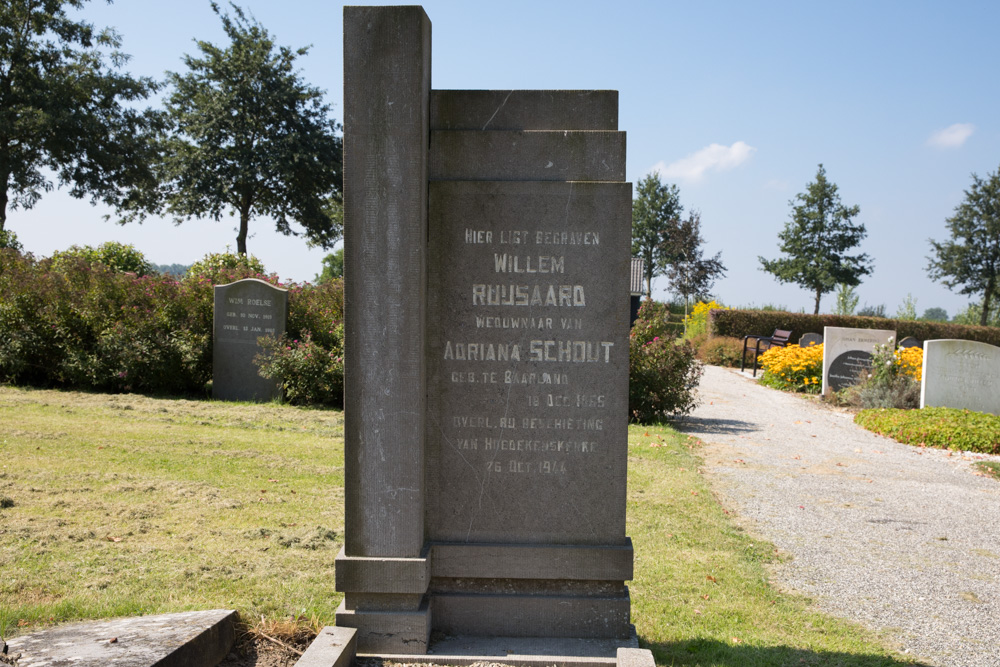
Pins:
<point x="714" y="157"/>
<point x="952" y="136"/>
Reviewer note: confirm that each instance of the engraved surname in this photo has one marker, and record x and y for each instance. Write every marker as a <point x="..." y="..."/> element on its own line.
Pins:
<point x="528" y="295"/>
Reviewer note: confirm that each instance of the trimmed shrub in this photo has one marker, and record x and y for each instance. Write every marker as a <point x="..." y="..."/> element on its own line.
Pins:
<point x="722" y="351"/>
<point x="663" y="371"/>
<point x="948" y="428"/>
<point x="739" y="323"/>
<point x="309" y="373"/>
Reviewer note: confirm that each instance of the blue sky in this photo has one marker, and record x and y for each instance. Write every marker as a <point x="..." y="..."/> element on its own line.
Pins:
<point x="734" y="102"/>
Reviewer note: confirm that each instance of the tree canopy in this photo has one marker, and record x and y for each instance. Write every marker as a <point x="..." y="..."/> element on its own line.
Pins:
<point x="656" y="213"/>
<point x="690" y="274"/>
<point x="816" y="241"/>
<point x="67" y="106"/>
<point x="250" y="138"/>
<point x="332" y="267"/>
<point x="969" y="261"/>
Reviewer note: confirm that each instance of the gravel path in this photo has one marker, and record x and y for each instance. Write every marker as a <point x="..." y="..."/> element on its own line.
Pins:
<point x="901" y="539"/>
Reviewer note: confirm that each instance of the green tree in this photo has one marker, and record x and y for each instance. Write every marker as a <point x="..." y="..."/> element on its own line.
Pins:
<point x="690" y="275"/>
<point x="847" y="300"/>
<point x="908" y="309"/>
<point x="656" y="214"/>
<point x="970" y="259"/>
<point x="67" y="110"/>
<point x="333" y="267"/>
<point x="935" y="314"/>
<point x="816" y="240"/>
<point x="249" y="137"/>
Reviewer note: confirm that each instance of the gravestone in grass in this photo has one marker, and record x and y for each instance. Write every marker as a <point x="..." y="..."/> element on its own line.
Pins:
<point x="961" y="374"/>
<point x="487" y="256"/>
<point x="245" y="311"/>
<point x="847" y="354"/>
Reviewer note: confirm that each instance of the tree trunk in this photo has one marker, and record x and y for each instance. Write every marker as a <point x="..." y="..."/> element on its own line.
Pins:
<point x="3" y="200"/>
<point x="985" y="315"/>
<point x="241" y="238"/>
<point x="819" y="295"/>
<point x="649" y="285"/>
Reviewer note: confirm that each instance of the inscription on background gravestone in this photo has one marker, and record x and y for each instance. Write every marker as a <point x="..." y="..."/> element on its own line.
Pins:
<point x="961" y="374"/>
<point x="244" y="311"/>
<point x="847" y="354"/>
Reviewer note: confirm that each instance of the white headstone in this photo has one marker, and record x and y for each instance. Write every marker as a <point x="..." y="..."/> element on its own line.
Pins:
<point x="847" y="353"/>
<point x="961" y="374"/>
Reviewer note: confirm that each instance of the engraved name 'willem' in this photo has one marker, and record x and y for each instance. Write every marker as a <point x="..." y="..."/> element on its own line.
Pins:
<point x="514" y="264"/>
<point x="572" y="351"/>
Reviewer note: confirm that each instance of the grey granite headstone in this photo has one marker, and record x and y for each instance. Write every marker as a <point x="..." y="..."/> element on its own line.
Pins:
<point x="847" y="352"/>
<point x="910" y="341"/>
<point x="810" y="339"/>
<point x="961" y="374"/>
<point x="245" y="311"/>
<point x="487" y="354"/>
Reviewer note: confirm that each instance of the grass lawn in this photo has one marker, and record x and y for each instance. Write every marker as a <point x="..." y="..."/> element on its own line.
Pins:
<point x="124" y="505"/>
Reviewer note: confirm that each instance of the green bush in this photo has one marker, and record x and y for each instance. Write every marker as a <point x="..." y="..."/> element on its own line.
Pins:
<point x="88" y="319"/>
<point x="663" y="371"/>
<point x="309" y="373"/>
<point x="739" y="323"/>
<point x="722" y="351"/>
<point x="8" y="240"/>
<point x="947" y="428"/>
<point x="117" y="257"/>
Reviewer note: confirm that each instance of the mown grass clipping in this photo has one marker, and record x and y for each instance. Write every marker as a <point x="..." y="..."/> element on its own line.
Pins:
<point x="125" y="505"/>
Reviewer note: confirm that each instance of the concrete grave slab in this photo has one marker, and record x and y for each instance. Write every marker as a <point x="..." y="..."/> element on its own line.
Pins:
<point x="185" y="639"/>
<point x="961" y="374"/>
<point x="847" y="354"/>
<point x="333" y="647"/>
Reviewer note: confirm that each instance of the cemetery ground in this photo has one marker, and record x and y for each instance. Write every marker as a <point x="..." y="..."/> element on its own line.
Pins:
<point x="116" y="505"/>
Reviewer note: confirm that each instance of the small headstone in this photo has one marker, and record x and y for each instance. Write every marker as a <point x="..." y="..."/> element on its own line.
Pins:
<point x="910" y="341"/>
<point x="810" y="339"/>
<point x="847" y="354"/>
<point x="245" y="311"/>
<point x="961" y="374"/>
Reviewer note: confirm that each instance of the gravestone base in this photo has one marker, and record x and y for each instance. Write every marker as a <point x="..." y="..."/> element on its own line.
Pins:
<point x="522" y="651"/>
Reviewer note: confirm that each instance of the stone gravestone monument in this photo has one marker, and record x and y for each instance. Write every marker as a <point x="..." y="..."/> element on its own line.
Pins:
<point x="486" y="346"/>
<point x="961" y="374"/>
<point x="810" y="339"/>
<point x="847" y="354"/>
<point x="244" y="311"/>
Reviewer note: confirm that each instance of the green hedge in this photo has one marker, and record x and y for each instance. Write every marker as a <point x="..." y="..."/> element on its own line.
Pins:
<point x="73" y="321"/>
<point x="739" y="323"/>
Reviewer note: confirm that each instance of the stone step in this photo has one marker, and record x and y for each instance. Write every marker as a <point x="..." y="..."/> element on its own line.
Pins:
<point x="185" y="639"/>
<point x="527" y="156"/>
<point x="524" y="110"/>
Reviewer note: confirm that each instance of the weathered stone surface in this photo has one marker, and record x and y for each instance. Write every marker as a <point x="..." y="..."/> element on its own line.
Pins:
<point x="810" y="339"/>
<point x="381" y="574"/>
<point x="386" y="127"/>
<point x="635" y="657"/>
<point x="186" y="639"/>
<point x="532" y="615"/>
<point x="244" y="311"/>
<point x="527" y="156"/>
<point x="388" y="632"/>
<point x="961" y="374"/>
<point x="333" y="647"/>
<point x="847" y="354"/>
<point x="524" y="109"/>
<point x="387" y="88"/>
<point x="528" y="369"/>
<point x="525" y="562"/>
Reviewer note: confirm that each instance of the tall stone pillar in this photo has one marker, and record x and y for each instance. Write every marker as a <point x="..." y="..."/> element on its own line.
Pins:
<point x="384" y="568"/>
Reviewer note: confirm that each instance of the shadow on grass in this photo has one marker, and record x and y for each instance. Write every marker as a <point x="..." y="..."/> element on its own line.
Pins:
<point x="713" y="653"/>
<point x="705" y="425"/>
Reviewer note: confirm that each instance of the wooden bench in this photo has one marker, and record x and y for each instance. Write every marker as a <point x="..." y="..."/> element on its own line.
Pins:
<point x="778" y="339"/>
